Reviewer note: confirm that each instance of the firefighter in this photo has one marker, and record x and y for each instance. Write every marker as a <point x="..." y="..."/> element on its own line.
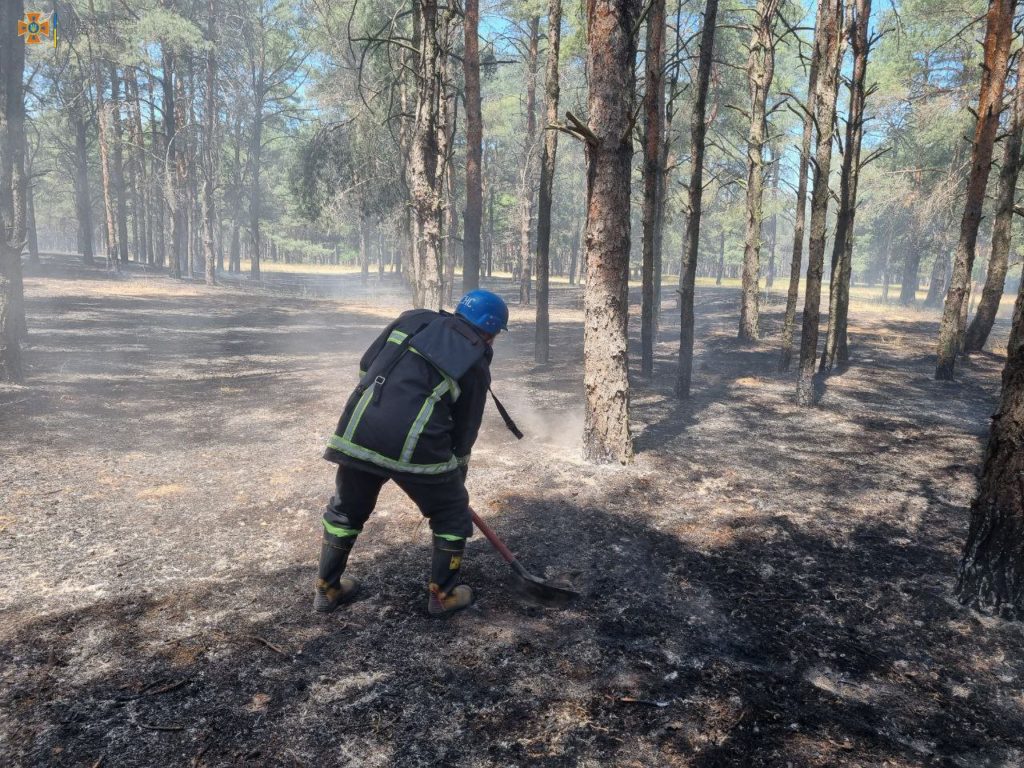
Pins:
<point x="413" y="419"/>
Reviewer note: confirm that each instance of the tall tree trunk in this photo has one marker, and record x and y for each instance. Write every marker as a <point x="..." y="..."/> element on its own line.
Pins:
<point x="210" y="143"/>
<point x="828" y="49"/>
<point x="760" y="70"/>
<point x="611" y="55"/>
<point x="103" y="109"/>
<point x="12" y="180"/>
<point x="654" y="115"/>
<point x="83" y="195"/>
<point x="30" y="213"/>
<point x="140" y="187"/>
<point x="992" y="293"/>
<point x="474" y="149"/>
<point x="447" y="119"/>
<point x="423" y="173"/>
<point x="364" y="247"/>
<point x="911" y="267"/>
<point x="255" y="195"/>
<point x="836" y="347"/>
<point x="541" y="346"/>
<point x="529" y="165"/>
<point x="937" y="283"/>
<point x="800" y="214"/>
<point x="992" y="569"/>
<point x="720" y="272"/>
<point x="998" y="34"/>
<point x="173" y="192"/>
<point x="773" y="222"/>
<point x="117" y="165"/>
<point x="691" y="240"/>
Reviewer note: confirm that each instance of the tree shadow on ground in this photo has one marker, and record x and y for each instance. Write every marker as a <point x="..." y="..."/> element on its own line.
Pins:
<point x="777" y="644"/>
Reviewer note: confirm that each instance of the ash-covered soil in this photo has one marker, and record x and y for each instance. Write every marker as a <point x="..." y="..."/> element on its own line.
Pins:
<point x="766" y="586"/>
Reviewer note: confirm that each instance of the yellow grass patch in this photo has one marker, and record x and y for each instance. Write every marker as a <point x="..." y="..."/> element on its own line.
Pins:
<point x="161" y="491"/>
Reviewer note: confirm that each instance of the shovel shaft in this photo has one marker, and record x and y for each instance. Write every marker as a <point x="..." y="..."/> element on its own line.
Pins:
<point x="492" y="537"/>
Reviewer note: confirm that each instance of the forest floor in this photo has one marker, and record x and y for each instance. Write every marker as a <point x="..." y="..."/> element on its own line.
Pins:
<point x="766" y="586"/>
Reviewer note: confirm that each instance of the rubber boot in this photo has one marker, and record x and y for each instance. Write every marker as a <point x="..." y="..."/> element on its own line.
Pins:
<point x="331" y="589"/>
<point x="446" y="595"/>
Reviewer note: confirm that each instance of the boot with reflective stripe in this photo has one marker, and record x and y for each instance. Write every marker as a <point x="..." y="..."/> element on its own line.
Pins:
<point x="331" y="589"/>
<point x="446" y="595"/>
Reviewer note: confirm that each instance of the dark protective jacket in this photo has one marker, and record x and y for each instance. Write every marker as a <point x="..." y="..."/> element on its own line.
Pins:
<point x="420" y="399"/>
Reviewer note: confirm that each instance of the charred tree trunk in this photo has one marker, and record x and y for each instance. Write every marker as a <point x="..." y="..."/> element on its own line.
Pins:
<point x="760" y="70"/>
<point x="992" y="569"/>
<point x="998" y="34"/>
<point x="836" y="348"/>
<point x="654" y="115"/>
<point x="611" y="55"/>
<point x="474" y="150"/>
<point x="12" y="180"/>
<point x="526" y="191"/>
<point x="691" y="240"/>
<point x="541" y="346"/>
<point x="800" y="214"/>
<point x="828" y="50"/>
<point x="995" y="280"/>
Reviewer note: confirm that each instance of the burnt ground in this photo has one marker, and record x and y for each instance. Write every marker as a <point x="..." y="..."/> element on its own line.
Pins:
<point x="765" y="586"/>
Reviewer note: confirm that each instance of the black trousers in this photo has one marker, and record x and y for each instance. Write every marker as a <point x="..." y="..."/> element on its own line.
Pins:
<point x="444" y="503"/>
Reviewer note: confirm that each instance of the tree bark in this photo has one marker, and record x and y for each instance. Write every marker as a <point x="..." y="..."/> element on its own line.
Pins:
<point x="541" y="346"/>
<point x="474" y="149"/>
<point x="83" y="195"/>
<point x="117" y="165"/>
<point x="800" y="214"/>
<point x="995" y="280"/>
<point x="653" y="169"/>
<point x="836" y="347"/>
<point x="760" y="70"/>
<point x="611" y="55"/>
<point x="30" y="213"/>
<point x="530" y="142"/>
<point x="691" y="239"/>
<point x="210" y="144"/>
<point x="423" y="177"/>
<point x="106" y="173"/>
<point x="12" y="180"/>
<point x="991" y="573"/>
<point x="998" y="35"/>
<point x="828" y="50"/>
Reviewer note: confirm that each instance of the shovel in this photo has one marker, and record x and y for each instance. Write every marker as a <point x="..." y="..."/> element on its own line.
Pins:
<point x="534" y="586"/>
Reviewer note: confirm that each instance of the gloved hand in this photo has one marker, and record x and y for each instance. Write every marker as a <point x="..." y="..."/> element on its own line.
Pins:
<point x="464" y="466"/>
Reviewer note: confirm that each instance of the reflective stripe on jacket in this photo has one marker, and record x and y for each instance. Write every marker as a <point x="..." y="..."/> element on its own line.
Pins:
<point x="420" y="399"/>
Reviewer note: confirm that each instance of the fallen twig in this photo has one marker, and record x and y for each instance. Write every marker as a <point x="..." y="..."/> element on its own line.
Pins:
<point x="269" y="644"/>
<point x="152" y="727"/>
<point x="167" y="688"/>
<point x="98" y="763"/>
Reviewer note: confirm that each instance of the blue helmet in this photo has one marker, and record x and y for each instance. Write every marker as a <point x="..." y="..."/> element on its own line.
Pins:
<point x="484" y="310"/>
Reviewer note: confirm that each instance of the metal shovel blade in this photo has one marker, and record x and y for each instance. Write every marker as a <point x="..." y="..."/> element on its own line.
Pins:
<point x="544" y="592"/>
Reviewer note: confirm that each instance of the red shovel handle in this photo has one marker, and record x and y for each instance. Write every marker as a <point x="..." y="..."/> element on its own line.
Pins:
<point x="492" y="537"/>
